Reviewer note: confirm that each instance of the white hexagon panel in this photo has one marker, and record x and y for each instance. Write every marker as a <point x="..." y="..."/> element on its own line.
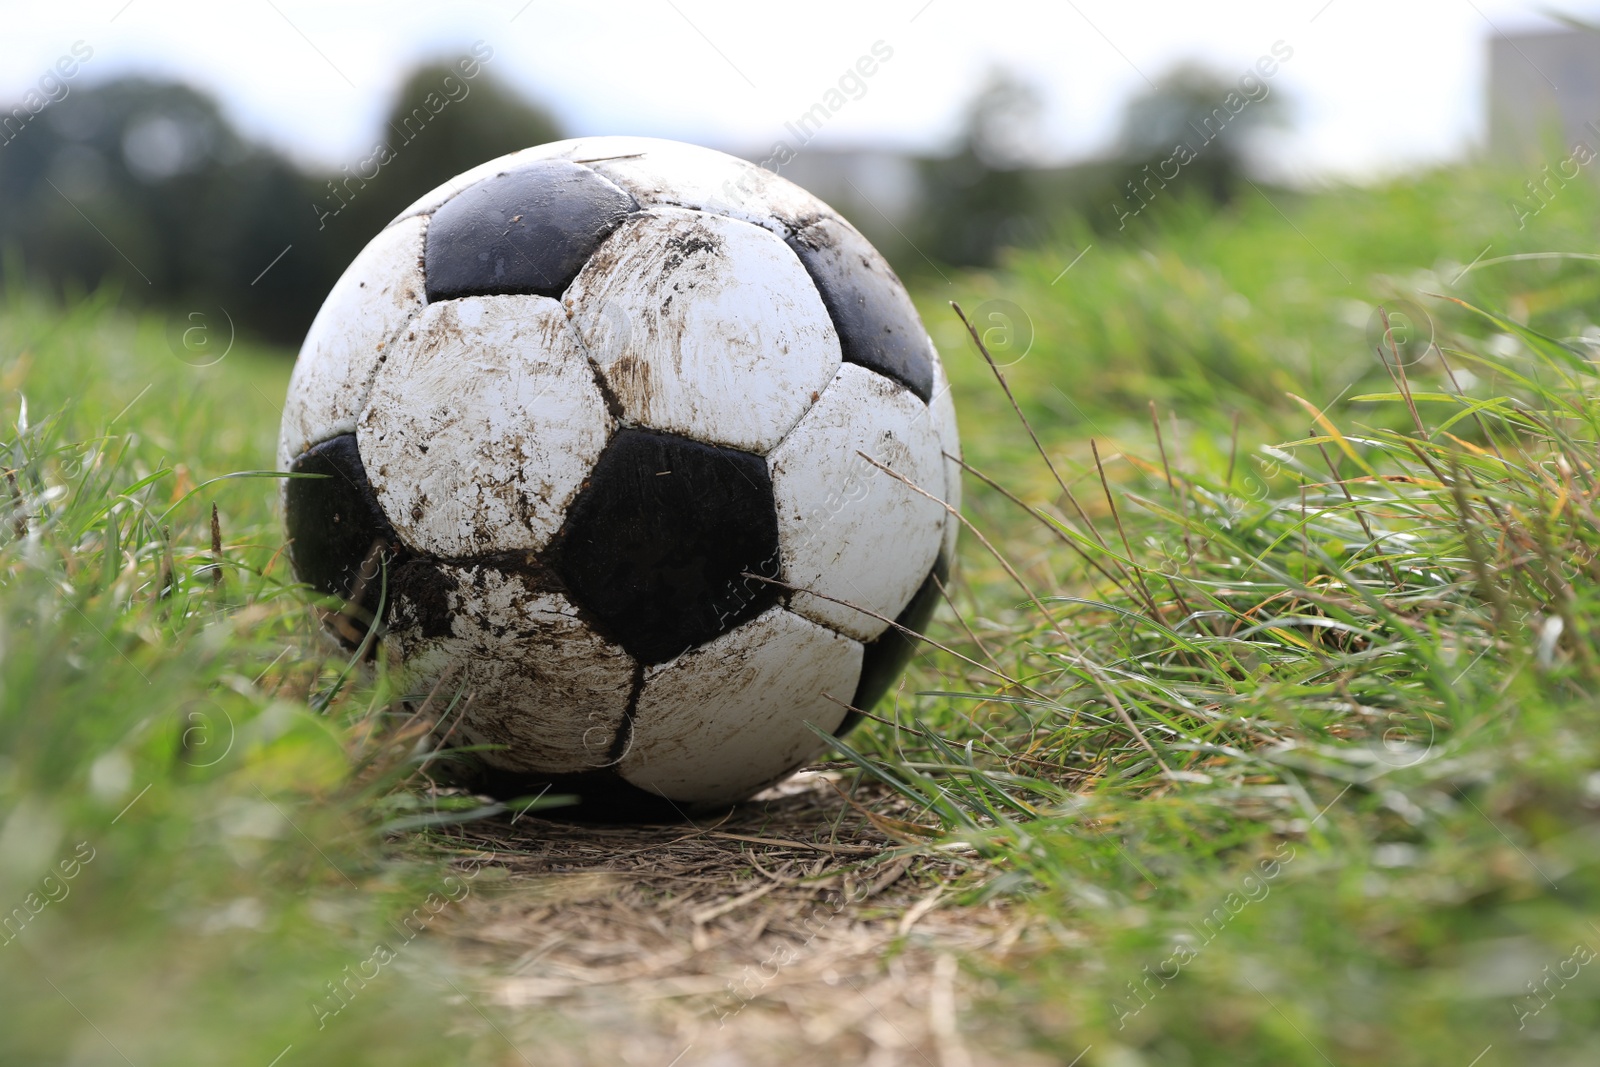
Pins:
<point x="483" y="422"/>
<point x="735" y="714"/>
<point x="846" y="528"/>
<point x="705" y="326"/>
<point x="670" y="173"/>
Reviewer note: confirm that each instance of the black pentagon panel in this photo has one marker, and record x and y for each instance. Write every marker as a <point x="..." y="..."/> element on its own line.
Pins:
<point x="656" y="544"/>
<point x="877" y="324"/>
<point x="528" y="231"/>
<point x="886" y="658"/>
<point x="335" y="524"/>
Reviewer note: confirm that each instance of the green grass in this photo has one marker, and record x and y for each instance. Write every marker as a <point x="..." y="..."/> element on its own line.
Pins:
<point x="1299" y="743"/>
<point x="158" y="733"/>
<point x="1215" y="314"/>
<point x="1290" y="746"/>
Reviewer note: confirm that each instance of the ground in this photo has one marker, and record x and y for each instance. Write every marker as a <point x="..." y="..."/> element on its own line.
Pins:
<point x="789" y="922"/>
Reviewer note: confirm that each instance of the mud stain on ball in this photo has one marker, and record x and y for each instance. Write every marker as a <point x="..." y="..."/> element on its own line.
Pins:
<point x="544" y="687"/>
<point x="488" y="424"/>
<point x="704" y="326"/>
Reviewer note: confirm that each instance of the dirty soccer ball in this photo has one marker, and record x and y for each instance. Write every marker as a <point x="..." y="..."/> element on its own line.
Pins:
<point x="571" y="411"/>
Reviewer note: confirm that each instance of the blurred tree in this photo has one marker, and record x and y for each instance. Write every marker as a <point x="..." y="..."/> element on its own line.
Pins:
<point x="983" y="197"/>
<point x="1194" y="134"/>
<point x="146" y="185"/>
<point x="1198" y="123"/>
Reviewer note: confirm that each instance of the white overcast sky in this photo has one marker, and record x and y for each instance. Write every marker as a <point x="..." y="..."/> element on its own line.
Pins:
<point x="1381" y="85"/>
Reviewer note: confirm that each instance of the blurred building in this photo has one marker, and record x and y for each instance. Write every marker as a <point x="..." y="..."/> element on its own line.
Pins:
<point x="1544" y="93"/>
<point x="872" y="187"/>
<point x="879" y="191"/>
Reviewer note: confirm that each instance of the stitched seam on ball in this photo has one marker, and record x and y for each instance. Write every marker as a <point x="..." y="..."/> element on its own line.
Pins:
<point x="622" y="741"/>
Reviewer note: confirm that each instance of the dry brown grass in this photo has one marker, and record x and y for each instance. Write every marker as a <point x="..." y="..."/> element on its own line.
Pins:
<point x="798" y="927"/>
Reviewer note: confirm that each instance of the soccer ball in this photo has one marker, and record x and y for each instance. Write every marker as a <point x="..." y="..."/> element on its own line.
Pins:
<point x="591" y="424"/>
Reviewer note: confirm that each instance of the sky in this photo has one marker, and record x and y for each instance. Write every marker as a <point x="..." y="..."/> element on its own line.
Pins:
<point x="1376" y="86"/>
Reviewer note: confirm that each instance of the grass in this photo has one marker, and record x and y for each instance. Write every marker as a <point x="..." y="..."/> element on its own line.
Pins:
<point x="1272" y="718"/>
<point x="1298" y="739"/>
<point x="188" y="849"/>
